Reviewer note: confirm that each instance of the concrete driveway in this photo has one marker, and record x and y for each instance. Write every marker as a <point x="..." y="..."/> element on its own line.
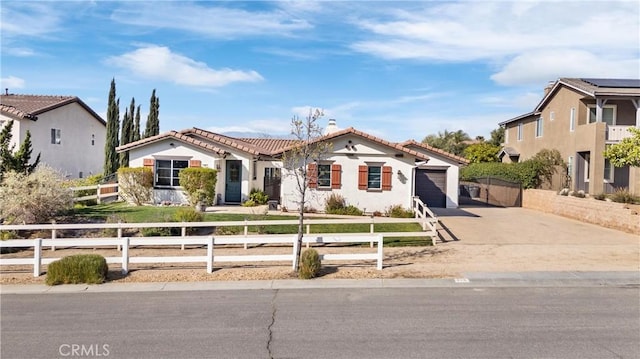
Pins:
<point x="495" y="225"/>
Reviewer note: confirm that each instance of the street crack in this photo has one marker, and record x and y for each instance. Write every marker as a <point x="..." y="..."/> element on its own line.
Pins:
<point x="274" y="310"/>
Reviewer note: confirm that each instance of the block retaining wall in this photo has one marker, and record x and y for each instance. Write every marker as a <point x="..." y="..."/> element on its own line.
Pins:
<point x="620" y="216"/>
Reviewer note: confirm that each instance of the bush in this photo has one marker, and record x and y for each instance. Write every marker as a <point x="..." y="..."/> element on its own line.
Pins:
<point x="530" y="173"/>
<point x="258" y="196"/>
<point x="579" y="194"/>
<point x="397" y="211"/>
<point x="309" y="264"/>
<point x="5" y="235"/>
<point x="564" y="192"/>
<point x="600" y="196"/>
<point x="199" y="184"/>
<point x="622" y="195"/>
<point x="135" y="185"/>
<point x="336" y="204"/>
<point x="34" y="198"/>
<point x="249" y="203"/>
<point x="188" y="214"/>
<point x="80" y="268"/>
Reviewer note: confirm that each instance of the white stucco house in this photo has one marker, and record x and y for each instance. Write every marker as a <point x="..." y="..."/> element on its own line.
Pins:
<point x="369" y="172"/>
<point x="68" y="134"/>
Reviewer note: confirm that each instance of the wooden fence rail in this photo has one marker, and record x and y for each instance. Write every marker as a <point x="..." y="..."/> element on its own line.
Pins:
<point x="106" y="190"/>
<point x="210" y="241"/>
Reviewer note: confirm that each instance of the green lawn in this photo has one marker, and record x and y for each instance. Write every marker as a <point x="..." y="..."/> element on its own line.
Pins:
<point x="141" y="214"/>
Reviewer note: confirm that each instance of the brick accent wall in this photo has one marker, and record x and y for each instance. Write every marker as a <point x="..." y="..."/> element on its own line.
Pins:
<point x="614" y="215"/>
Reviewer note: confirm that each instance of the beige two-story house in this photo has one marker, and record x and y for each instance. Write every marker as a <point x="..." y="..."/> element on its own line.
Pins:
<point x="580" y="118"/>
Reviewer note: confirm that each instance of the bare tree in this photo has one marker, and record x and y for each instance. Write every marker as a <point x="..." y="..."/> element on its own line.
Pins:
<point x="297" y="160"/>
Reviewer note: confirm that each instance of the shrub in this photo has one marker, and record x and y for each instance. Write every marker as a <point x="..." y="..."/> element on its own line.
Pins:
<point x="564" y="192"/>
<point x="309" y="209"/>
<point x="199" y="184"/>
<point x="530" y="173"/>
<point x="258" y="196"/>
<point x="334" y="202"/>
<point x="188" y="214"/>
<point x="33" y="198"/>
<point x="579" y="194"/>
<point x="622" y="195"/>
<point x="5" y="235"/>
<point x="600" y="196"/>
<point x="135" y="185"/>
<point x="80" y="268"/>
<point x="249" y="203"/>
<point x="309" y="264"/>
<point x="350" y="210"/>
<point x="397" y="211"/>
<point x="156" y="232"/>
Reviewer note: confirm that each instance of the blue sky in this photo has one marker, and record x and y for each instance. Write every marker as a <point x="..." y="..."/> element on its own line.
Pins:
<point x="398" y="70"/>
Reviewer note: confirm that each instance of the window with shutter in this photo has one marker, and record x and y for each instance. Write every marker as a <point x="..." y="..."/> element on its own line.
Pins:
<point x="195" y="163"/>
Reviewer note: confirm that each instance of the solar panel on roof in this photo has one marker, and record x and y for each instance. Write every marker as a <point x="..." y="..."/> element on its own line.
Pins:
<point x="623" y="83"/>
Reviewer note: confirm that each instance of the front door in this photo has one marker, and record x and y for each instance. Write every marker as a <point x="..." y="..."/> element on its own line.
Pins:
<point x="233" y="181"/>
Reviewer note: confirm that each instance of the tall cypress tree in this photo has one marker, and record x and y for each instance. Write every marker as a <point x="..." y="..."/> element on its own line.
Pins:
<point x="135" y="136"/>
<point x="153" y="121"/>
<point x="22" y="157"/>
<point x="18" y="162"/>
<point x="111" y="159"/>
<point x="126" y="134"/>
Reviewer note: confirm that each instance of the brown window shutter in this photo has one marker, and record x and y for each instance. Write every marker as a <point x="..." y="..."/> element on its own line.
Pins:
<point x="312" y="175"/>
<point x="386" y="178"/>
<point x="148" y="162"/>
<point x="363" y="174"/>
<point x="336" y="176"/>
<point x="195" y="163"/>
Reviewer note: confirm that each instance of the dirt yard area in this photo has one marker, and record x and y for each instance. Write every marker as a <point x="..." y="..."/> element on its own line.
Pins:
<point x="477" y="240"/>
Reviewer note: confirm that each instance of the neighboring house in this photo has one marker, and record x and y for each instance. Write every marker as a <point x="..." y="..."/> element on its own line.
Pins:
<point x="369" y="172"/>
<point x="68" y="134"/>
<point x="580" y="118"/>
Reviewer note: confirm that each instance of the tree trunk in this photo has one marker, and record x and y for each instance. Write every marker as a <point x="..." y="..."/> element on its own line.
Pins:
<point x="300" y="234"/>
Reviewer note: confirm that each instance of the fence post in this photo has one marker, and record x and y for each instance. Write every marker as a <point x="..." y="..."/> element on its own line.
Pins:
<point x="371" y="227"/>
<point x="53" y="233"/>
<point x="119" y="232"/>
<point x="37" y="257"/>
<point x="246" y="231"/>
<point x="380" y="252"/>
<point x="308" y="232"/>
<point x="295" y="252"/>
<point x="184" y="234"/>
<point x="98" y="194"/>
<point x="125" y="255"/>
<point x="210" y="254"/>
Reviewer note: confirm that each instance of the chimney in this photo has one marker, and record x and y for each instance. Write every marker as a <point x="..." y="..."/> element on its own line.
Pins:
<point x="549" y="87"/>
<point x="331" y="127"/>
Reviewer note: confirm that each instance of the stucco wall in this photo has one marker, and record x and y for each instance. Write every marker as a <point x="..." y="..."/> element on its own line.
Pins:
<point x="76" y="152"/>
<point x="607" y="214"/>
<point x="350" y="159"/>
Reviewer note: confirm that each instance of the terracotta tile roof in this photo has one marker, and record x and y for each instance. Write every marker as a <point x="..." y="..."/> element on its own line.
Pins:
<point x="30" y="106"/>
<point x="353" y="131"/>
<point x="272" y="145"/>
<point x="441" y="152"/>
<point x="226" y="140"/>
<point x="176" y="136"/>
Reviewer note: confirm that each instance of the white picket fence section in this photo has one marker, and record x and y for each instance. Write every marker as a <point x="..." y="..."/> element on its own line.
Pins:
<point x="429" y="219"/>
<point x="209" y="241"/>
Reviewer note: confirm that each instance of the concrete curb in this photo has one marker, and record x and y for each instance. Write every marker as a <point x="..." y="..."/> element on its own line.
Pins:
<point x="471" y="280"/>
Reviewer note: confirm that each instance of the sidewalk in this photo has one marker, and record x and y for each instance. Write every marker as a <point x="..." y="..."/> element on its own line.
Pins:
<point x="472" y="280"/>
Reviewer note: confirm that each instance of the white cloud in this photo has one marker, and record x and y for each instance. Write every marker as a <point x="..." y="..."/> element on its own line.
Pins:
<point x="208" y="19"/>
<point x="530" y="67"/>
<point x="12" y="82"/>
<point x="160" y="63"/>
<point x="29" y="18"/>
<point x="19" y="51"/>
<point x="511" y="35"/>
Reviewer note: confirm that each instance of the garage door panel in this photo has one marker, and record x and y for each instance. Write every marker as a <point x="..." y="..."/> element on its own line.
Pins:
<point x="431" y="187"/>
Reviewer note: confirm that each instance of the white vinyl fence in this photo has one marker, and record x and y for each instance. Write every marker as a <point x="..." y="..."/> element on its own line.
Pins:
<point x="103" y="191"/>
<point x="209" y="241"/>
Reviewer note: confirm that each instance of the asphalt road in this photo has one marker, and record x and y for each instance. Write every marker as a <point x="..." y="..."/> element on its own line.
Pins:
<point x="481" y="322"/>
